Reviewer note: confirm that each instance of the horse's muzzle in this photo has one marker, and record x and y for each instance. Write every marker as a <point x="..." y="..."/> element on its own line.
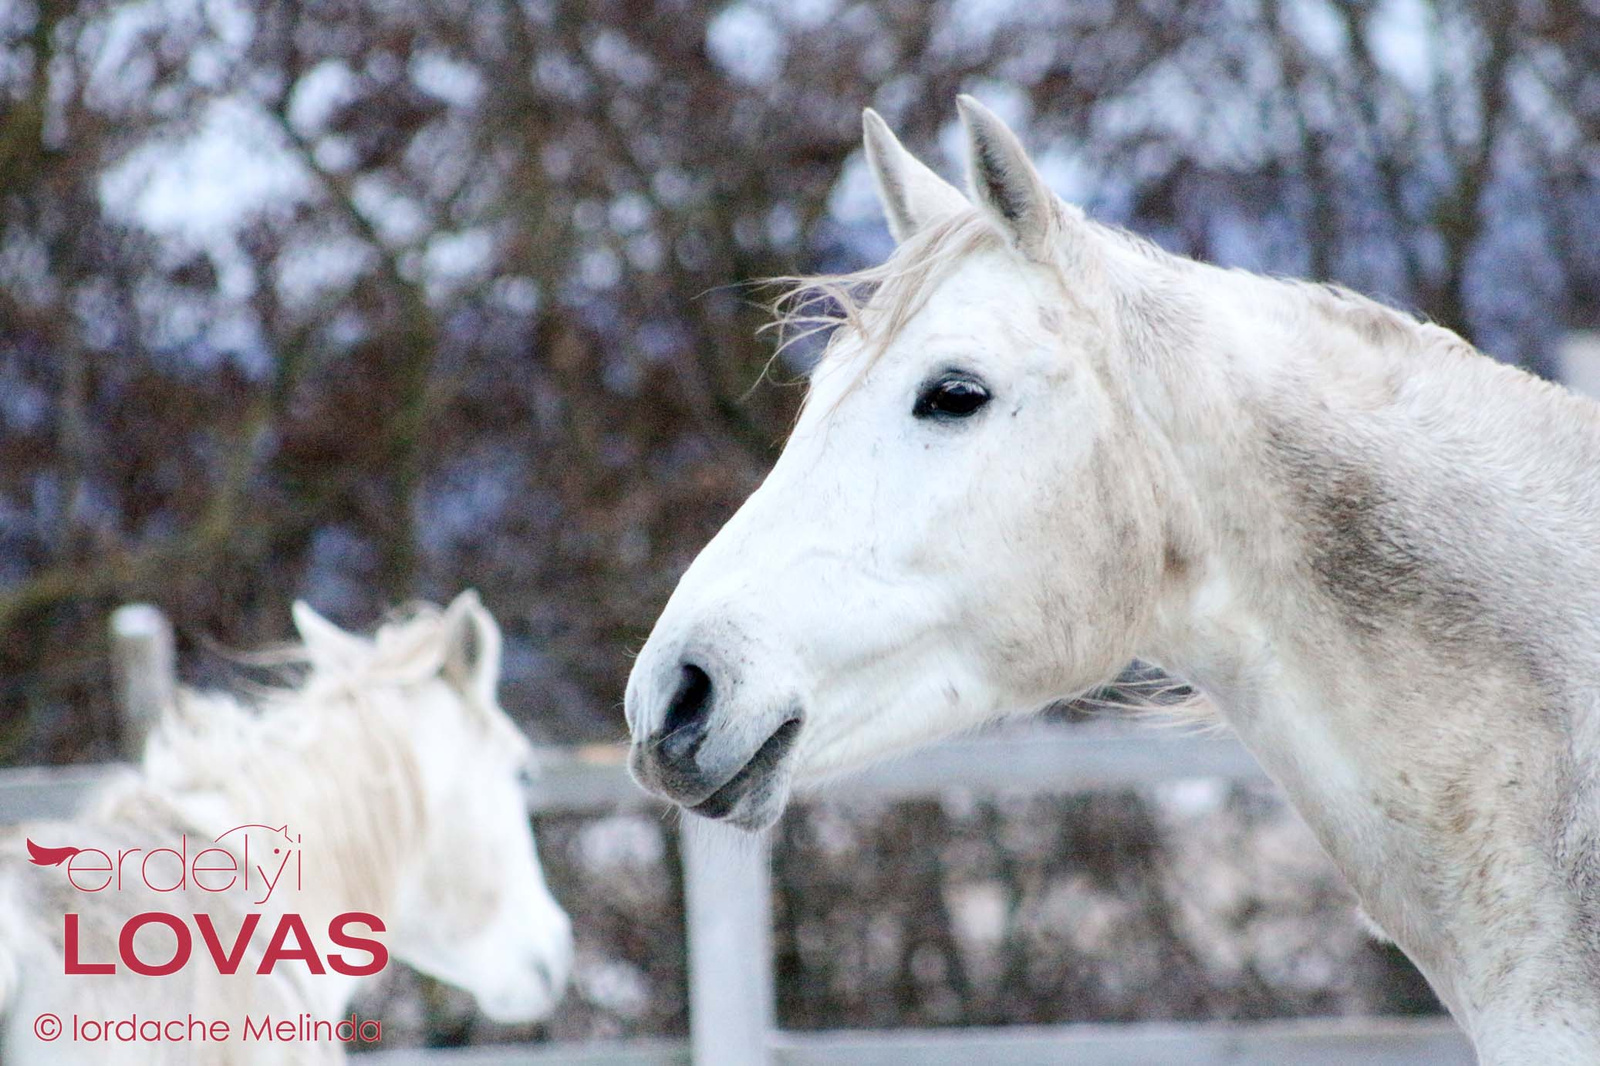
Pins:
<point x="716" y="760"/>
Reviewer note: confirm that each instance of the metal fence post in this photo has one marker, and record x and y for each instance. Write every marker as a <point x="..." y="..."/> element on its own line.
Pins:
<point x="727" y="899"/>
<point x="143" y="662"/>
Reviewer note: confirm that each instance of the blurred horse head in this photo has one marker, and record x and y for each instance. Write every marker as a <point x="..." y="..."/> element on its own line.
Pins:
<point x="467" y="894"/>
<point x="388" y="782"/>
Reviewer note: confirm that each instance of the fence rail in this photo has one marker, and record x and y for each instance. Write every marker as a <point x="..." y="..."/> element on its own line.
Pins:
<point x="727" y="888"/>
<point x="594" y="778"/>
<point x="1297" y="1042"/>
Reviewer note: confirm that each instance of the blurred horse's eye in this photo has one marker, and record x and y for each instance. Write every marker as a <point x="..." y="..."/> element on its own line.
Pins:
<point x="950" y="396"/>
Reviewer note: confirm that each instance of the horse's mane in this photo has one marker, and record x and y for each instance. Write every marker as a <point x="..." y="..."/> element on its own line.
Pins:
<point x="208" y="733"/>
<point x="877" y="302"/>
<point x="329" y="750"/>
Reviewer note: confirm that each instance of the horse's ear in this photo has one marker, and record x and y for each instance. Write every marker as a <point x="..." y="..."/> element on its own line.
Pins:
<point x="1006" y="186"/>
<point x="325" y="642"/>
<point x="911" y="194"/>
<point x="472" y="647"/>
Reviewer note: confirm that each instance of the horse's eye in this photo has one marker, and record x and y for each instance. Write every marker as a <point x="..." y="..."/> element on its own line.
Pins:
<point x="950" y="396"/>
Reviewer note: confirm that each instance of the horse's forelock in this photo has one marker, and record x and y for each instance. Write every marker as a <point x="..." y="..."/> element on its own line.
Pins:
<point x="877" y="302"/>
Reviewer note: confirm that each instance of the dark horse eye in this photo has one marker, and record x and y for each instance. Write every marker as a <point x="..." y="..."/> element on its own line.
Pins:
<point x="950" y="396"/>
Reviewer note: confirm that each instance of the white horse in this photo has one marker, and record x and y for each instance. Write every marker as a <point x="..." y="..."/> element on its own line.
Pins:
<point x="389" y="784"/>
<point x="1037" y="447"/>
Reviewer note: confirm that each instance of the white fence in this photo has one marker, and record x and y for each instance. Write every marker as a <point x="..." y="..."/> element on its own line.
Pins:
<point x="728" y="911"/>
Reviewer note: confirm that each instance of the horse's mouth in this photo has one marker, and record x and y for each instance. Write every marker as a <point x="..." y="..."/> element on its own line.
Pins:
<point x="759" y="781"/>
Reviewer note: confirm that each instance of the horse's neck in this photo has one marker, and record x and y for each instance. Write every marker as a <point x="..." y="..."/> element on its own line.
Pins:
<point x="1392" y="597"/>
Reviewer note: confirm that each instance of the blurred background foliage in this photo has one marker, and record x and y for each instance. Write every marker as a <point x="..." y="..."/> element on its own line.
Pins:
<point x="368" y="300"/>
<point x="362" y="301"/>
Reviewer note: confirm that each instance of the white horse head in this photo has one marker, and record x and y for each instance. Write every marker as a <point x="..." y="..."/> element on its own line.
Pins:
<point x="470" y="906"/>
<point x="963" y="524"/>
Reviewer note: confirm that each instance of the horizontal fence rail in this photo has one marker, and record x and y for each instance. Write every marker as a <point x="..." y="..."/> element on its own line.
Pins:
<point x="1017" y="761"/>
<point x="1297" y="1042"/>
<point x="1308" y="1042"/>
<point x="727" y="885"/>
<point x="594" y="778"/>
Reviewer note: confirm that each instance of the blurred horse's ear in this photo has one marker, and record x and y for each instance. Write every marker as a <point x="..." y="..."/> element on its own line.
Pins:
<point x="1005" y="185"/>
<point x="472" y="645"/>
<point x="911" y="194"/>
<point x="326" y="644"/>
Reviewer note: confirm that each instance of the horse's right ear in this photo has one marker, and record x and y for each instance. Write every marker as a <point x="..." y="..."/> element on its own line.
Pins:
<point x="911" y="194"/>
<point x="325" y="642"/>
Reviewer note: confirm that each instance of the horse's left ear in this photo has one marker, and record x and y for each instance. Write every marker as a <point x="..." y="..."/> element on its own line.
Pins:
<point x="472" y="647"/>
<point x="326" y="643"/>
<point x="1006" y="186"/>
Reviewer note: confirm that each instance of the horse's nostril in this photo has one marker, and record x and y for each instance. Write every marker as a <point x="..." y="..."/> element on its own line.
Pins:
<point x="685" y="724"/>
